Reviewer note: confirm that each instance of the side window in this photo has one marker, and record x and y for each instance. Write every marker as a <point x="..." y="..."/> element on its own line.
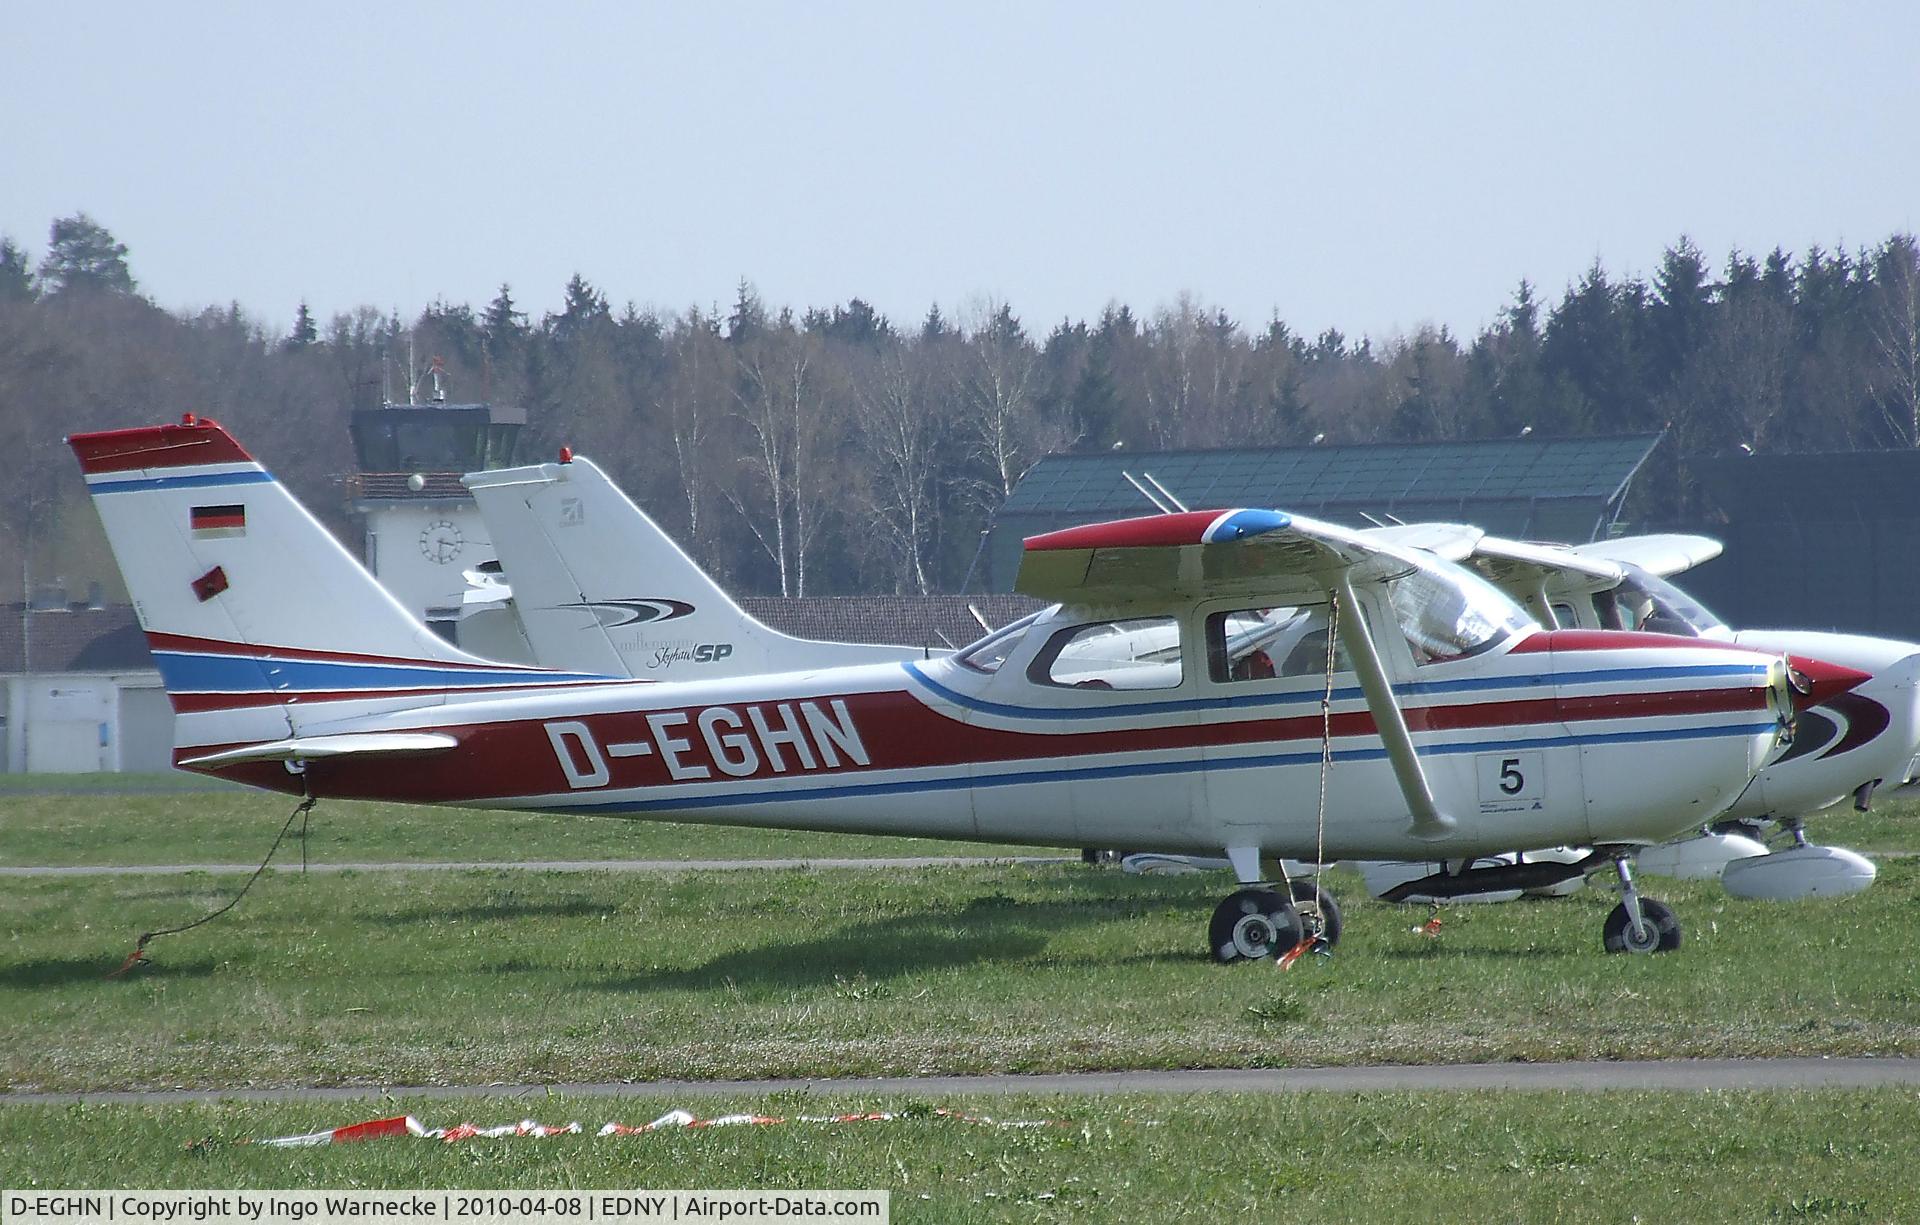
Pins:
<point x="1139" y="653"/>
<point x="990" y="652"/>
<point x="1252" y="644"/>
<point x="1564" y="617"/>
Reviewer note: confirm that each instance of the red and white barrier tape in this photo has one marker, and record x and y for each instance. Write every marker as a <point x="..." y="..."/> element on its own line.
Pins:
<point x="407" y="1125"/>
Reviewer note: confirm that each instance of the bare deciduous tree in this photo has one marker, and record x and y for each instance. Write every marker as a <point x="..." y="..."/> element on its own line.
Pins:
<point x="1894" y="323"/>
<point x="782" y="400"/>
<point x="896" y="422"/>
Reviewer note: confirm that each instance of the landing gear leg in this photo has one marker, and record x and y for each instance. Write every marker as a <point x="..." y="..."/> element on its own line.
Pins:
<point x="1637" y="924"/>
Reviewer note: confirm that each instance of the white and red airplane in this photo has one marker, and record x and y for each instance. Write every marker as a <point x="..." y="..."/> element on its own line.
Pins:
<point x="1455" y="727"/>
<point x="1844" y="746"/>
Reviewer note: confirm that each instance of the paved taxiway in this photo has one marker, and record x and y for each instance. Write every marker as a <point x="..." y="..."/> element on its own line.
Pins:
<point x="1683" y="1074"/>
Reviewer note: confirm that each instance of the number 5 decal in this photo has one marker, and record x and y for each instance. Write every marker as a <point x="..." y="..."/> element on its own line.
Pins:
<point x="1511" y="780"/>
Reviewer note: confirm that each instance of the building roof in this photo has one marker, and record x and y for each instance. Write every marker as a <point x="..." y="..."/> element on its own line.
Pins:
<point x="1378" y="478"/>
<point x="73" y="639"/>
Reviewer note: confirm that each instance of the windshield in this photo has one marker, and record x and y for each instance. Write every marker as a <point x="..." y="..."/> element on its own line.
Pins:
<point x="1645" y="601"/>
<point x="990" y="652"/>
<point x="1447" y="612"/>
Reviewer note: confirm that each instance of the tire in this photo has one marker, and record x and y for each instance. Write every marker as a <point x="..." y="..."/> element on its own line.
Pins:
<point x="1659" y="916"/>
<point x="1306" y="890"/>
<point x="1253" y="925"/>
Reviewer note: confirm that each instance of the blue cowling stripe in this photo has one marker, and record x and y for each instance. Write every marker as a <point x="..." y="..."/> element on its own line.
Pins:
<point x="195" y="673"/>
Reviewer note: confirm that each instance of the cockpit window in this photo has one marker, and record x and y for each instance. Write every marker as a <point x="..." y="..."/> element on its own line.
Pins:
<point x="1645" y="601"/>
<point x="990" y="652"/>
<point x="1138" y="653"/>
<point x="1252" y="644"/>
<point x="1449" y="613"/>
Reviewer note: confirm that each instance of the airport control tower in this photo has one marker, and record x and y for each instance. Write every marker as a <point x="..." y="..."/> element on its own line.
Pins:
<point x="423" y="530"/>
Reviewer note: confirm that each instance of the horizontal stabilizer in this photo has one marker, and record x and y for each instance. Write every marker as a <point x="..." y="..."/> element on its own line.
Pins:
<point x="319" y="748"/>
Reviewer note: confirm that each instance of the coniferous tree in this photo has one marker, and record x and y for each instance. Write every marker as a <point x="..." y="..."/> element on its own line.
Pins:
<point x="749" y="315"/>
<point x="16" y="275"/>
<point x="583" y="308"/>
<point x="504" y="324"/>
<point x="82" y="255"/>
<point x="305" y="331"/>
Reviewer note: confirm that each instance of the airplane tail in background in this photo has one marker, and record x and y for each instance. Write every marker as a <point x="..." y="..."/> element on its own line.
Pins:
<point x="261" y="624"/>
<point x="600" y="587"/>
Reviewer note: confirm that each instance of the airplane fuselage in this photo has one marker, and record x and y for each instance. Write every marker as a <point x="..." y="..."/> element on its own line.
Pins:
<point x="1534" y="744"/>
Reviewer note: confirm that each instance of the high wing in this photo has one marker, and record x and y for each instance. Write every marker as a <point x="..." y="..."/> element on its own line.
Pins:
<point x="1203" y="554"/>
<point x="1519" y="565"/>
<point x="1262" y="554"/>
<point x="1453" y="541"/>
<point x="1664" y="554"/>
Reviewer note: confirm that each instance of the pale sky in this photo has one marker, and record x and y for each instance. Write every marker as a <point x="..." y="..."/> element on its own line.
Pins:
<point x="1370" y="170"/>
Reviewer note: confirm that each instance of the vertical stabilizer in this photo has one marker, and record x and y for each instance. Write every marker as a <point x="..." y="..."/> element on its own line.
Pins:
<point x="259" y="621"/>
<point x="600" y="587"/>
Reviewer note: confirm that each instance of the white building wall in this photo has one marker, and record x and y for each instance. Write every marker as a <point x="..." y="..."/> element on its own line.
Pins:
<point x="83" y="723"/>
<point x="418" y="550"/>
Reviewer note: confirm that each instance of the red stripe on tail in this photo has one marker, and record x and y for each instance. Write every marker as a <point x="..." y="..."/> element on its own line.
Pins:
<point x="188" y="444"/>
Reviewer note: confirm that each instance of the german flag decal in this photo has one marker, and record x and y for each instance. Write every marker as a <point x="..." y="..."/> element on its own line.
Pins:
<point x="214" y="522"/>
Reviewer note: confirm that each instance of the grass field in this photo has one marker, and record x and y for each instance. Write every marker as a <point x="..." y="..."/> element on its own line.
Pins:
<point x="478" y="976"/>
<point x="397" y="978"/>
<point x="88" y="825"/>
<point x="237" y="826"/>
<point x="1790" y="1156"/>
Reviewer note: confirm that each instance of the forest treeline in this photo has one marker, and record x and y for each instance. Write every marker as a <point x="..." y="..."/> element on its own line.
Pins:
<point x="836" y="450"/>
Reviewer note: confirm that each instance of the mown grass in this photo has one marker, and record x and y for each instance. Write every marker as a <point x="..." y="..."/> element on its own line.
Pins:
<point x="102" y="781"/>
<point x="398" y="978"/>
<point x="237" y="826"/>
<point x="234" y="825"/>
<point x="1377" y="1157"/>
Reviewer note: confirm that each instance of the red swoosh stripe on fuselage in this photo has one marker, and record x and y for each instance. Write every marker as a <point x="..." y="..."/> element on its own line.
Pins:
<point x="514" y="758"/>
<point x="187" y="644"/>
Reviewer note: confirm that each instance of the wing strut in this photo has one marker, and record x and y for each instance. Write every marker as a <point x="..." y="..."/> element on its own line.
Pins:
<point x="1428" y="821"/>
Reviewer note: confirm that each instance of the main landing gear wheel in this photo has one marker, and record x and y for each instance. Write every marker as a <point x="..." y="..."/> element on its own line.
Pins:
<point x="1307" y="891"/>
<point x="1659" y="930"/>
<point x="1253" y="925"/>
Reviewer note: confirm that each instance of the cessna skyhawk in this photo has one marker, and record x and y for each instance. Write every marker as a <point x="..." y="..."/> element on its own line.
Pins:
<point x="1436" y="719"/>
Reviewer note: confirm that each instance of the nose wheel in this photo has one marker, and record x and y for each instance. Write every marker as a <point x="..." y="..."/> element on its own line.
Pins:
<point x="1638" y="924"/>
<point x="1253" y="925"/>
<point x="1309" y="894"/>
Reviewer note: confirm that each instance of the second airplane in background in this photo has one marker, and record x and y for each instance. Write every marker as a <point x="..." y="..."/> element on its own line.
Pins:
<point x="597" y="586"/>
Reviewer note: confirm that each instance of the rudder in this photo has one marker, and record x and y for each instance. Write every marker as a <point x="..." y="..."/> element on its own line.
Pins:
<point x="258" y="619"/>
